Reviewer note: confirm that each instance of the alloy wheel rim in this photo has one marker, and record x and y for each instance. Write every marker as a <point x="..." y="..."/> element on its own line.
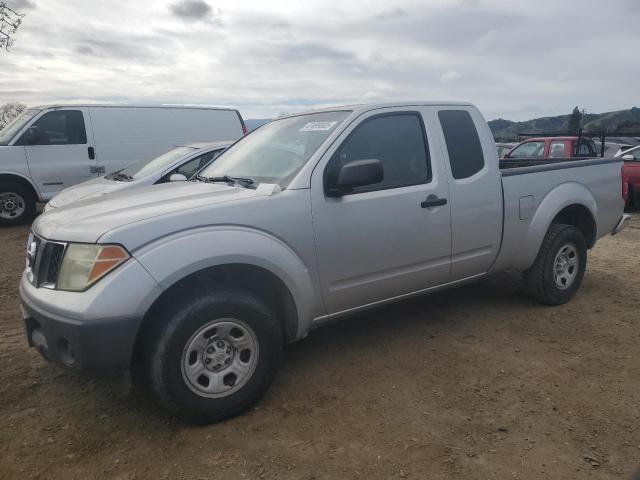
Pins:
<point x="565" y="266"/>
<point x="220" y="357"/>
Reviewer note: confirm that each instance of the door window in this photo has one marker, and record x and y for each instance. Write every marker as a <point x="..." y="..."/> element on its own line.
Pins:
<point x="556" y="150"/>
<point x="528" y="150"/>
<point x="59" y="127"/>
<point x="463" y="144"/>
<point x="397" y="140"/>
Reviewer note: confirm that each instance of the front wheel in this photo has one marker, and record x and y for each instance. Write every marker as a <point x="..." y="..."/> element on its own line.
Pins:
<point x="557" y="272"/>
<point x="215" y="355"/>
<point x="17" y="204"/>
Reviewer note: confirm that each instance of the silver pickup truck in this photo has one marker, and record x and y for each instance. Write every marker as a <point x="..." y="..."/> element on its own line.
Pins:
<point x="308" y="219"/>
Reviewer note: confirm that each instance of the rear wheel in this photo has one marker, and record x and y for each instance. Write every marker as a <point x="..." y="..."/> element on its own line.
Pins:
<point x="557" y="272"/>
<point x="17" y="204"/>
<point x="214" y="355"/>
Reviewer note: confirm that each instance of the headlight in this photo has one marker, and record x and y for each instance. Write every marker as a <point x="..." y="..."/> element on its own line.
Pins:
<point x="84" y="264"/>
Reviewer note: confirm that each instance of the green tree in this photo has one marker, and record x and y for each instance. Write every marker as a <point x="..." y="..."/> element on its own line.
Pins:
<point x="575" y="120"/>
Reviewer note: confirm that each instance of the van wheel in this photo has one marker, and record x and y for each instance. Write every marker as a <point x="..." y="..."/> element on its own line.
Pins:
<point x="17" y="204"/>
<point x="557" y="272"/>
<point x="214" y="355"/>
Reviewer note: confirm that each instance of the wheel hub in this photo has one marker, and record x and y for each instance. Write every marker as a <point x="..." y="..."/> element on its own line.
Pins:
<point x="218" y="355"/>
<point x="565" y="266"/>
<point x="12" y="205"/>
<point x="9" y="205"/>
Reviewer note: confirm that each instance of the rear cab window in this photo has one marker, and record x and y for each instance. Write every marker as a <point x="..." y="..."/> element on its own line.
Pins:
<point x="463" y="143"/>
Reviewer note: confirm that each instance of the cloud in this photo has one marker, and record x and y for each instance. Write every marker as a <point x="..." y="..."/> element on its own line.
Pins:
<point x="191" y="10"/>
<point x="506" y="57"/>
<point x="450" y="76"/>
<point x="397" y="12"/>
<point x="21" y="5"/>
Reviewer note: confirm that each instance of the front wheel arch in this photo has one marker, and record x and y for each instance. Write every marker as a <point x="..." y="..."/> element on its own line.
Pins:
<point x="257" y="280"/>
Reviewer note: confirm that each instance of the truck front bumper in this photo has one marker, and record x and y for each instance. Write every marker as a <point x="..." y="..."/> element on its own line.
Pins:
<point x="103" y="346"/>
<point x="94" y="330"/>
<point x="620" y="225"/>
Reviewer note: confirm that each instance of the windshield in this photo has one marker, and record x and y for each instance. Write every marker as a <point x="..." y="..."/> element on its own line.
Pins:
<point x="147" y="167"/>
<point x="275" y="152"/>
<point x="10" y="131"/>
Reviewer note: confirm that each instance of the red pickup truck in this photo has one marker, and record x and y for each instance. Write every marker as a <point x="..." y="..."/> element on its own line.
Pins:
<point x="553" y="147"/>
<point x="631" y="177"/>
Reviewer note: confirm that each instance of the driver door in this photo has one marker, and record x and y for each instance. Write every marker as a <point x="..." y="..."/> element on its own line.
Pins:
<point x="384" y="240"/>
<point x="59" y="150"/>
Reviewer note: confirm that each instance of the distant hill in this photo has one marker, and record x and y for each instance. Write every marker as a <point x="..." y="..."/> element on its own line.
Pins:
<point x="621" y="121"/>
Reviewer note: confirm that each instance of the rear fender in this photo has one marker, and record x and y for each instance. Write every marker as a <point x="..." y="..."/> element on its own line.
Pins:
<point x="560" y="197"/>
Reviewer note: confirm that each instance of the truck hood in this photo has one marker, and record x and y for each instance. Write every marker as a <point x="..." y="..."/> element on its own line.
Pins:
<point x="91" y="188"/>
<point x="88" y="219"/>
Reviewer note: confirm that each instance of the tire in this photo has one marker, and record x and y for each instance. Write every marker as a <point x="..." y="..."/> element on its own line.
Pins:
<point x="561" y="244"/>
<point x="213" y="395"/>
<point x="17" y="204"/>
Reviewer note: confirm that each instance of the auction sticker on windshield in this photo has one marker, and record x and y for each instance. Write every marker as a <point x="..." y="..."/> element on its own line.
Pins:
<point x="315" y="126"/>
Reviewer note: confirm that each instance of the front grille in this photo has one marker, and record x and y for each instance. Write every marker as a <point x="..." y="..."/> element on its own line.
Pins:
<point x="53" y="252"/>
<point x="47" y="262"/>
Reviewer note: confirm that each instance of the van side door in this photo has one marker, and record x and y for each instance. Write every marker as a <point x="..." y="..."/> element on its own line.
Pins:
<point x="387" y="239"/>
<point x="59" y="149"/>
<point x="475" y="190"/>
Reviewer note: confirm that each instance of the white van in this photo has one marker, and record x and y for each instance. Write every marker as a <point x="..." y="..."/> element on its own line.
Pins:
<point x="49" y="148"/>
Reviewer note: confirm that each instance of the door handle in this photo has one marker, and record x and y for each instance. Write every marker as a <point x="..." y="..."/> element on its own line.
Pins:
<point x="92" y="153"/>
<point x="433" y="201"/>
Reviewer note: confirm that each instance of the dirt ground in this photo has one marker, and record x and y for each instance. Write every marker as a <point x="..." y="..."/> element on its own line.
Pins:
<point x="478" y="382"/>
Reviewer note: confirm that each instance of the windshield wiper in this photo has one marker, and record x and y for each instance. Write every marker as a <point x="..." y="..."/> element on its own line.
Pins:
<point x="243" y="182"/>
<point x="120" y="176"/>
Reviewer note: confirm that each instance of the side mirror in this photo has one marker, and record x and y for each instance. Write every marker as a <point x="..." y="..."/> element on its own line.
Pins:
<point x="628" y="158"/>
<point x="177" y="177"/>
<point x="356" y="174"/>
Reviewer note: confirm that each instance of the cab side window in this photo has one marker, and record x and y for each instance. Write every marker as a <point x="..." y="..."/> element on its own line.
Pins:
<point x="397" y="140"/>
<point x="59" y="127"/>
<point x="463" y="144"/>
<point x="193" y="166"/>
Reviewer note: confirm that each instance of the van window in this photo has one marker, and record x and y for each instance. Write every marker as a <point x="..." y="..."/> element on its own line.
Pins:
<point x="397" y="140"/>
<point x="59" y="127"/>
<point x="463" y="144"/>
<point x="12" y="129"/>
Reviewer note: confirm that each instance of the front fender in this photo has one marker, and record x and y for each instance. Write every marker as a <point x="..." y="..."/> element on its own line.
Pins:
<point x="560" y="197"/>
<point x="173" y="258"/>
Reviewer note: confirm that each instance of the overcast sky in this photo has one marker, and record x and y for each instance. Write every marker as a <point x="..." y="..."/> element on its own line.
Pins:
<point x="515" y="59"/>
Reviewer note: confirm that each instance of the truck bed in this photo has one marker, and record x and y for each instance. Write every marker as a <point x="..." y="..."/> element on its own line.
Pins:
<point x="534" y="190"/>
